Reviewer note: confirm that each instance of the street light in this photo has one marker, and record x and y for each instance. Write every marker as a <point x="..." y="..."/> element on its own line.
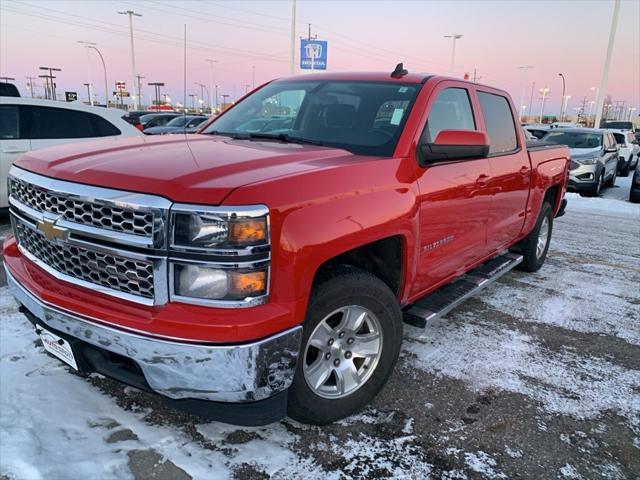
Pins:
<point x="544" y="92"/>
<point x="210" y="61"/>
<point x="525" y="69"/>
<point x="51" y="86"/>
<point x="454" y="37"/>
<point x="132" y="14"/>
<point x="562" y="102"/>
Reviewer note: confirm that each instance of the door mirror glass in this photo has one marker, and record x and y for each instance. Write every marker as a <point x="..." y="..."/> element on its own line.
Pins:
<point x="454" y="145"/>
<point x="611" y="149"/>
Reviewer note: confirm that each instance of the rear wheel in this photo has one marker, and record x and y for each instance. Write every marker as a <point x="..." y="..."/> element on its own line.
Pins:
<point x="352" y="337"/>
<point x="624" y="172"/>
<point x="534" y="248"/>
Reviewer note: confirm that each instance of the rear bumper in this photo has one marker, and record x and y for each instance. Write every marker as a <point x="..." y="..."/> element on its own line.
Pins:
<point x="222" y="373"/>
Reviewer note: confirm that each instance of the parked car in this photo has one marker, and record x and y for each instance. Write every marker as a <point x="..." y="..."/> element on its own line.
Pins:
<point x="530" y="137"/>
<point x="617" y="125"/>
<point x="133" y="117"/>
<point x="181" y="124"/>
<point x="30" y="124"/>
<point x="8" y="90"/>
<point x="629" y="151"/>
<point x="538" y="130"/>
<point x="594" y="158"/>
<point x="634" y="192"/>
<point x="270" y="272"/>
<point x="151" y="120"/>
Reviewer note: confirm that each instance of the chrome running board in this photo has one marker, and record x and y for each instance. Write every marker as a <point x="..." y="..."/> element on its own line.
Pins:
<point x="436" y="304"/>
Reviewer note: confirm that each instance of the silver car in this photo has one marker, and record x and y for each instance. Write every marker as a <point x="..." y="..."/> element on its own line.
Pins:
<point x="594" y="158"/>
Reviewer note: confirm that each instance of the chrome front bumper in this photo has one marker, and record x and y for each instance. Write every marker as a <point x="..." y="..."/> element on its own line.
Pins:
<point x="230" y="373"/>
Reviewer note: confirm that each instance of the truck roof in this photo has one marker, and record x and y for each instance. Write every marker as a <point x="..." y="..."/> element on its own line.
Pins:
<point x="364" y="76"/>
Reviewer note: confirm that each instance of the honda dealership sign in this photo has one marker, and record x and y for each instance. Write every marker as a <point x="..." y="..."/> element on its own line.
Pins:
<point x="313" y="55"/>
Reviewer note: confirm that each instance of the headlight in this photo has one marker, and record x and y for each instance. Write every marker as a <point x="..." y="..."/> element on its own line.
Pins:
<point x="211" y="283"/>
<point x="587" y="160"/>
<point x="219" y="255"/>
<point x="201" y="228"/>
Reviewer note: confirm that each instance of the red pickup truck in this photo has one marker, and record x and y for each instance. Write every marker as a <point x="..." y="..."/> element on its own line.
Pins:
<point x="264" y="266"/>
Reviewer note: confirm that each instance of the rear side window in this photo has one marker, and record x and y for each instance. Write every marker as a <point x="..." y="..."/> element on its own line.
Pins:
<point x="499" y="123"/>
<point x="51" y="122"/>
<point x="9" y="122"/>
<point x="450" y="111"/>
<point x="619" y="138"/>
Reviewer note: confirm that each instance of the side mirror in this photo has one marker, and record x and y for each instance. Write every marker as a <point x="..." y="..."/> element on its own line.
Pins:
<point x="611" y="150"/>
<point x="454" y="145"/>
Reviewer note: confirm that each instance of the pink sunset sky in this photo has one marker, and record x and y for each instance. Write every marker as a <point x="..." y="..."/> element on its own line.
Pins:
<point x="499" y="36"/>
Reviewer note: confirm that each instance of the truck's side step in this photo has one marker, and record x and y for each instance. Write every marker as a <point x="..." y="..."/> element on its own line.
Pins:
<point x="442" y="301"/>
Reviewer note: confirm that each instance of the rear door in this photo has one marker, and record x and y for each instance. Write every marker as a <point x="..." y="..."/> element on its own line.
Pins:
<point x="51" y="126"/>
<point x="453" y="196"/>
<point x="13" y="143"/>
<point x="510" y="171"/>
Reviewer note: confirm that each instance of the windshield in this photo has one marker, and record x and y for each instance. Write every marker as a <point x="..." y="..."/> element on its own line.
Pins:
<point x="575" y="139"/>
<point x="362" y="117"/>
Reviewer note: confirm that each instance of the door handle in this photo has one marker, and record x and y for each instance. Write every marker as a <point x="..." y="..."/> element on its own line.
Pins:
<point x="524" y="170"/>
<point x="482" y="180"/>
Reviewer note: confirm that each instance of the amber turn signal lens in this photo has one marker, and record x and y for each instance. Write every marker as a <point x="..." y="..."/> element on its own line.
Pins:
<point x="248" y="231"/>
<point x="247" y="284"/>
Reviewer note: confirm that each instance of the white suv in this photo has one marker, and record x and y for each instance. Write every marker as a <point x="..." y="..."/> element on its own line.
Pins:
<point x="629" y="150"/>
<point x="30" y="124"/>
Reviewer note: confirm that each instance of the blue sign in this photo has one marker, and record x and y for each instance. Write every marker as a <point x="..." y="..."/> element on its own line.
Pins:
<point x="313" y="55"/>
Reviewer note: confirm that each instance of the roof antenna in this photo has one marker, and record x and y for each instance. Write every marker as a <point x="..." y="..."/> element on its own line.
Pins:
<point x="399" y="72"/>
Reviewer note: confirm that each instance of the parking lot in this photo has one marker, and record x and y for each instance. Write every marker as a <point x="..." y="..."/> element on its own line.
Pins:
<point x="537" y="377"/>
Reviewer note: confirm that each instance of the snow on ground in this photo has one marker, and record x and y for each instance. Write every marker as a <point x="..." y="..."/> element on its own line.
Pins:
<point x="536" y="377"/>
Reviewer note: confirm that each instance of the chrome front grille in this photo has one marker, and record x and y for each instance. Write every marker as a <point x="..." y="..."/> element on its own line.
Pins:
<point x="96" y="214"/>
<point x="134" y="277"/>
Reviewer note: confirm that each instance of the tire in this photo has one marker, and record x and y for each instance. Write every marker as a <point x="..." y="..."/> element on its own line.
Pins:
<point x="597" y="188"/>
<point x="346" y="290"/>
<point x="533" y="258"/>
<point x="612" y="181"/>
<point x="634" y="197"/>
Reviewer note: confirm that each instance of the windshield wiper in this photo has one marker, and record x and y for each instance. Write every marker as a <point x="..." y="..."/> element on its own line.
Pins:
<point x="283" y="137"/>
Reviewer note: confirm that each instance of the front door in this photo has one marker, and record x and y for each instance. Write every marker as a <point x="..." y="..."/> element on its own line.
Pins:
<point x="453" y="197"/>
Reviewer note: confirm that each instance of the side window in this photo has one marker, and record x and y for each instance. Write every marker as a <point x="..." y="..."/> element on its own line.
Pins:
<point x="9" y="122"/>
<point x="102" y="127"/>
<point x="50" y="122"/>
<point x="450" y="111"/>
<point x="499" y="123"/>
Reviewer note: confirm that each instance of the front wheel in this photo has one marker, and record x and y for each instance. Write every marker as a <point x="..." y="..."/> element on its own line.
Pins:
<point x="352" y="337"/>
<point x="535" y="246"/>
<point x="612" y="181"/>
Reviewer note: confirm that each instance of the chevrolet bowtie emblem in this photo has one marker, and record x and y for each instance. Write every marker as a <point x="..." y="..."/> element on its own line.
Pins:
<point x="51" y="231"/>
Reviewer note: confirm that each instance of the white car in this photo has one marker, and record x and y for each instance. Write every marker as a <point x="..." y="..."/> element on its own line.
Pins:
<point x="629" y="151"/>
<point x="30" y="124"/>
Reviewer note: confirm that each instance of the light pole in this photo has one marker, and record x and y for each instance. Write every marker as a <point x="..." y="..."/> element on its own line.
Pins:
<point x="565" y="103"/>
<point x="211" y="62"/>
<point x="31" y="86"/>
<point x="544" y="92"/>
<point x="217" y="87"/>
<point x="525" y="69"/>
<point x="157" y="86"/>
<point x="86" y="45"/>
<point x="253" y="77"/>
<point x="454" y="37"/>
<point x="51" y="86"/>
<point x="203" y="88"/>
<point x="562" y="102"/>
<point x="607" y="63"/>
<point x="631" y="110"/>
<point x="132" y="14"/>
<point x="533" y="87"/>
<point x="292" y="53"/>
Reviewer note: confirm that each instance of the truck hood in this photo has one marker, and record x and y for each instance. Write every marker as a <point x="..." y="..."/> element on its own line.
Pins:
<point x="193" y="169"/>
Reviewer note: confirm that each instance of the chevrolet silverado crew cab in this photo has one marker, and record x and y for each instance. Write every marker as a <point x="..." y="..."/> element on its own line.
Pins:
<point x="264" y="266"/>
